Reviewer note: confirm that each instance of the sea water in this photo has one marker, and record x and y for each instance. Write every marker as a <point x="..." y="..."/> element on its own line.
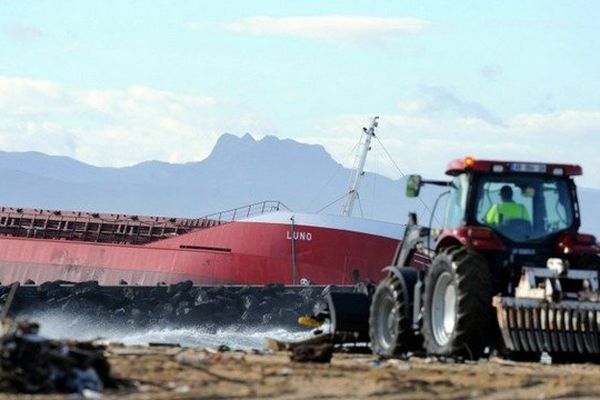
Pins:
<point x="60" y="326"/>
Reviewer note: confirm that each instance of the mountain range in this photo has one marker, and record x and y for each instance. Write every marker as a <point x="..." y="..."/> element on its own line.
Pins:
<point x="238" y="171"/>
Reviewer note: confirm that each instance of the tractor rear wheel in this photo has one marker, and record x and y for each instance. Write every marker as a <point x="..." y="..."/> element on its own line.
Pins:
<point x="458" y="312"/>
<point x="390" y="330"/>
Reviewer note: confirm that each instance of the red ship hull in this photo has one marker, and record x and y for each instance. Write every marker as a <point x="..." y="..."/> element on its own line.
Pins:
<point x="267" y="249"/>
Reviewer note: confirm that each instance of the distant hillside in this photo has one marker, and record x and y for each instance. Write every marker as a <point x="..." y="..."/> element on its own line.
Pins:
<point x="239" y="171"/>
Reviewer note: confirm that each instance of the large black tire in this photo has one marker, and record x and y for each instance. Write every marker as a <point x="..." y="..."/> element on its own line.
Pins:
<point x="457" y="305"/>
<point x="390" y="330"/>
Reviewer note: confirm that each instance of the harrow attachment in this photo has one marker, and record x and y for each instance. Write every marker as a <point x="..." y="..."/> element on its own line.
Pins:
<point x="555" y="311"/>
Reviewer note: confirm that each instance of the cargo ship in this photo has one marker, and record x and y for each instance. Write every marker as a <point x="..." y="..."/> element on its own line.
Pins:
<point x="256" y="244"/>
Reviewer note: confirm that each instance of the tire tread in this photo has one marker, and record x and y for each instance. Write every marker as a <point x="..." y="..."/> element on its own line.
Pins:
<point x="473" y="327"/>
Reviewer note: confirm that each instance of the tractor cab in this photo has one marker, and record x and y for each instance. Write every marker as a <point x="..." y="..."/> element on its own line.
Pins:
<point x="522" y="203"/>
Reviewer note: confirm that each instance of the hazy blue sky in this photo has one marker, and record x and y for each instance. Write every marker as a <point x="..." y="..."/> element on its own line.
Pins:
<point x="118" y="82"/>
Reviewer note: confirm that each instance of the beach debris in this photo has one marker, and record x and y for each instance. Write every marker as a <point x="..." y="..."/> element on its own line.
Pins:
<point x="223" y="348"/>
<point x="30" y="363"/>
<point x="319" y="353"/>
<point x="546" y="358"/>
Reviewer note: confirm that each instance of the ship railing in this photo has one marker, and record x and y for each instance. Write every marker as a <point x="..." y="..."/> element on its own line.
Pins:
<point x="116" y="228"/>
<point x="251" y="210"/>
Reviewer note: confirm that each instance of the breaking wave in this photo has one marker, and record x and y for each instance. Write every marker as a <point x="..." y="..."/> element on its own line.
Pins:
<point x="244" y="339"/>
<point x="61" y="326"/>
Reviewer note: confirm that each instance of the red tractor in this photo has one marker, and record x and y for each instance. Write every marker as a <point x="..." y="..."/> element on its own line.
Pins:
<point x="509" y="267"/>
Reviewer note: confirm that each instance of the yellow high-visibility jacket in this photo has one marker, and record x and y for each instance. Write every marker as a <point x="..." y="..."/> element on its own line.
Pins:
<point x="503" y="212"/>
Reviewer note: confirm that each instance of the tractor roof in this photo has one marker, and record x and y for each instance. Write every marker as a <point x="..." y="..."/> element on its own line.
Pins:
<point x="492" y="166"/>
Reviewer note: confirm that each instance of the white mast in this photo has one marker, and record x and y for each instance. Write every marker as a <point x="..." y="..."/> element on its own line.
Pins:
<point x="359" y="168"/>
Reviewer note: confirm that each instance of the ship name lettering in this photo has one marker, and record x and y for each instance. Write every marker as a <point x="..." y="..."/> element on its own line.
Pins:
<point x="299" y="235"/>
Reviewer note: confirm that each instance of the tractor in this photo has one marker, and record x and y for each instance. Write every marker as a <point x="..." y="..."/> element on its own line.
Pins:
<point x="508" y="269"/>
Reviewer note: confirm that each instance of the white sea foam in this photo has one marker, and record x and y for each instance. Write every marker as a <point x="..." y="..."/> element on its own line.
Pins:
<point x="237" y="337"/>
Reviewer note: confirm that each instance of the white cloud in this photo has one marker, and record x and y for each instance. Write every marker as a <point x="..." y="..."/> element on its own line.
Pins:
<point x="569" y="125"/>
<point x="114" y="127"/>
<point x="348" y="30"/>
<point x="23" y="95"/>
<point x="122" y="126"/>
<point x="438" y="99"/>
<point x="425" y="143"/>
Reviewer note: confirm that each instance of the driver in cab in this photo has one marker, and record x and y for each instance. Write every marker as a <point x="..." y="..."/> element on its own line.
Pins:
<point x="507" y="209"/>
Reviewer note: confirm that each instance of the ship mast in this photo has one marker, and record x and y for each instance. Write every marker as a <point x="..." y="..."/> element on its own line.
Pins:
<point x="359" y="166"/>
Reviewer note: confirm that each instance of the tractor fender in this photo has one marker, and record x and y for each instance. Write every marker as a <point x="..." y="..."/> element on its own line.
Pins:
<point x="411" y="287"/>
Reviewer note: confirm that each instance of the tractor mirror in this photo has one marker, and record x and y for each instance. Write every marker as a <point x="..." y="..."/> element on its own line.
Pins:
<point x="413" y="186"/>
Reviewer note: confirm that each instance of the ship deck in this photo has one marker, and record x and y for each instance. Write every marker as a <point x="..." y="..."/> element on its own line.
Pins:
<point x="114" y="227"/>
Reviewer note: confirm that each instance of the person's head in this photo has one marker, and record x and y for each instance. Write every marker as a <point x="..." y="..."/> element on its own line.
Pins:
<point x="506" y="193"/>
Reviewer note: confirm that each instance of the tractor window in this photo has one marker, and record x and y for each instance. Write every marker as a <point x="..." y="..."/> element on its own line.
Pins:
<point x="524" y="207"/>
<point x="491" y="196"/>
<point x="558" y="213"/>
<point x="457" y="202"/>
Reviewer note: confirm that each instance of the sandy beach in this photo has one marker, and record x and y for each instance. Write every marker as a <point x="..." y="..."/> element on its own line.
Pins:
<point x="185" y="373"/>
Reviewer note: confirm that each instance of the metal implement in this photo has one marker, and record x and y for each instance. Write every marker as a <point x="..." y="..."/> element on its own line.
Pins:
<point x="554" y="310"/>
